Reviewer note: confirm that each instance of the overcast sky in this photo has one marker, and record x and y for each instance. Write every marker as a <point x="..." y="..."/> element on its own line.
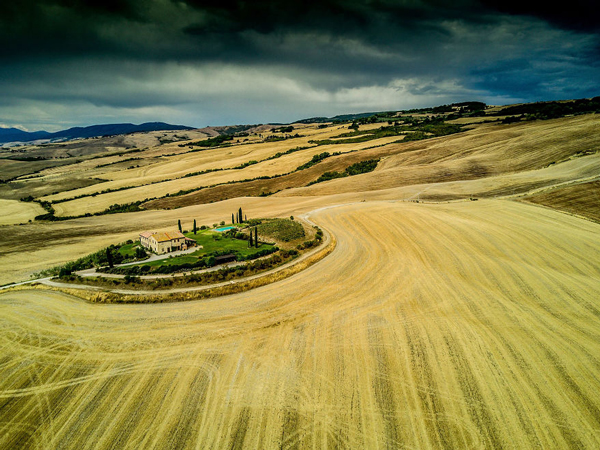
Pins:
<point x="67" y="63"/>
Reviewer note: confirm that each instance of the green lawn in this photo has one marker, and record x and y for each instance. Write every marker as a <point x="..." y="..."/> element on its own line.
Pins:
<point x="184" y="259"/>
<point x="128" y="250"/>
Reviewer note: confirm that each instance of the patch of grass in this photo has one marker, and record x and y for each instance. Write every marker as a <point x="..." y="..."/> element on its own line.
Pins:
<point x="213" y="241"/>
<point x="285" y="230"/>
<point x="128" y="250"/>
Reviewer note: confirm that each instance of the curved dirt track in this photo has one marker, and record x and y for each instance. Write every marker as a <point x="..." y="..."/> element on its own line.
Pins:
<point x="465" y="325"/>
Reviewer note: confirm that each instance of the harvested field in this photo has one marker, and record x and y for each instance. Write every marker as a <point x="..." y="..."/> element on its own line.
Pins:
<point x="473" y="324"/>
<point x="486" y="151"/>
<point x="266" y="168"/>
<point x="582" y="199"/>
<point x="483" y="153"/>
<point x="468" y="325"/>
<point x="182" y="161"/>
<point x="14" y="211"/>
<point x="11" y="168"/>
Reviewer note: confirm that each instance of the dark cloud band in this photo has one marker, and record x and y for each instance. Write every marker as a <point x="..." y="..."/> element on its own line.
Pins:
<point x="136" y="54"/>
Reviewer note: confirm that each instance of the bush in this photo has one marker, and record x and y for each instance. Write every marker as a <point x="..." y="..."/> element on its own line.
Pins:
<point x="212" y="142"/>
<point x="129" y="279"/>
<point x="355" y="169"/>
<point x="315" y="159"/>
<point x="64" y="272"/>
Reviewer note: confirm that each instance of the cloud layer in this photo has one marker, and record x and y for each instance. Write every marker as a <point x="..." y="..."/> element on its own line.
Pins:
<point x="70" y="62"/>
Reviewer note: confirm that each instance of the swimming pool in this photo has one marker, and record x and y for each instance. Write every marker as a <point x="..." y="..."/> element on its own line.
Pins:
<point x="221" y="229"/>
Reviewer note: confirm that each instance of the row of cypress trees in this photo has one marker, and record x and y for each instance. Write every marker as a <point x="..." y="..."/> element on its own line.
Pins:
<point x="238" y="217"/>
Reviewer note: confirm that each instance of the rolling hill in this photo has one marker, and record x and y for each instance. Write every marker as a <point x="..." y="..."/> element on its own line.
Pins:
<point x="459" y="307"/>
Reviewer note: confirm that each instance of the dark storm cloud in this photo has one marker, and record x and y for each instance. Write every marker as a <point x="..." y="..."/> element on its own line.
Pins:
<point x="582" y="15"/>
<point x="201" y="29"/>
<point x="234" y="60"/>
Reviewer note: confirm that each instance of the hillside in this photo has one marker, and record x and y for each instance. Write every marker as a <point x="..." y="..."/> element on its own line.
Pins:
<point x="458" y="307"/>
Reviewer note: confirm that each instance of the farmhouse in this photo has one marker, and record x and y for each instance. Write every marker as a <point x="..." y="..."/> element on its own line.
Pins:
<point x="165" y="242"/>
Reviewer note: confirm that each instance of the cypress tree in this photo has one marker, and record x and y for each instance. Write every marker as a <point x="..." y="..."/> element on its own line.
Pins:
<point x="240" y="216"/>
<point x="179" y="226"/>
<point x="256" y="237"/>
<point x="109" y="257"/>
<point x="250" y="239"/>
<point x="195" y="227"/>
<point x="232" y="218"/>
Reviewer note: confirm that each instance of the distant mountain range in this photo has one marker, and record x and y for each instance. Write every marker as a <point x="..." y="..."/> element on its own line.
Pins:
<point x="16" y="135"/>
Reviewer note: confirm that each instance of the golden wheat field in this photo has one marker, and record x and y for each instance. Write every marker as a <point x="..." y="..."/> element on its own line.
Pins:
<point x="465" y="325"/>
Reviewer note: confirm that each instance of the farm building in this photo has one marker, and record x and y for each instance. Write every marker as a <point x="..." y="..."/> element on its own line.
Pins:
<point x="165" y="242"/>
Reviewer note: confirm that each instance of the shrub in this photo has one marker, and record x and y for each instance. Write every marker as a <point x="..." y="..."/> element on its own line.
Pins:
<point x="130" y="279"/>
<point x="64" y="272"/>
<point x="315" y="159"/>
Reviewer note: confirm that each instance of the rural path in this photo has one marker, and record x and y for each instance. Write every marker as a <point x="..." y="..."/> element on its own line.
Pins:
<point x="152" y="257"/>
<point x="93" y="272"/>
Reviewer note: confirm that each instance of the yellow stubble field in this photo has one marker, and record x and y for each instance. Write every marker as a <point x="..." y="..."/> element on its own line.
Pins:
<point x="171" y="161"/>
<point x="269" y="168"/>
<point x="15" y="212"/>
<point x="465" y="325"/>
